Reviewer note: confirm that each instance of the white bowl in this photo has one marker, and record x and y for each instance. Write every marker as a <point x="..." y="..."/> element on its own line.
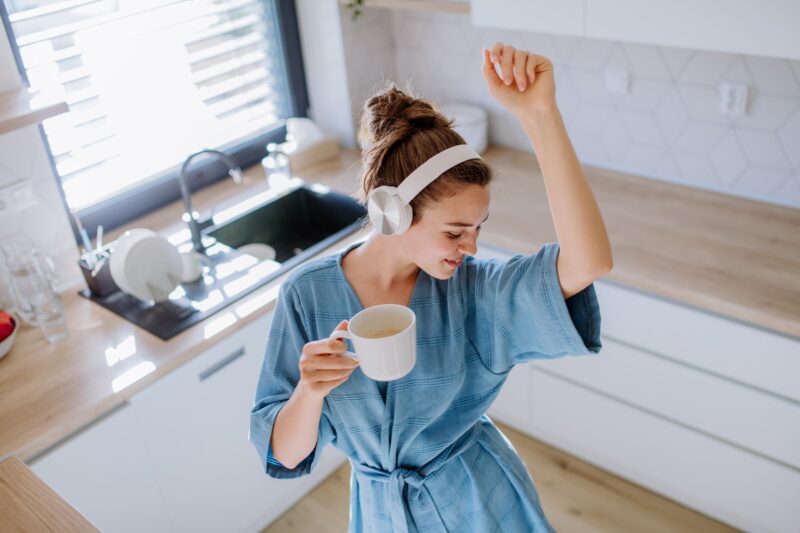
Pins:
<point x="5" y="345"/>
<point x="262" y="252"/>
<point x="470" y="121"/>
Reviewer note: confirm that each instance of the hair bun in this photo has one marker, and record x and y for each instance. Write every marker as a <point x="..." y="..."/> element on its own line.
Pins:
<point x="393" y="115"/>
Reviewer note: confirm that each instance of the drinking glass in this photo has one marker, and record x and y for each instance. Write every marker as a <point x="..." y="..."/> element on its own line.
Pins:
<point x="49" y="313"/>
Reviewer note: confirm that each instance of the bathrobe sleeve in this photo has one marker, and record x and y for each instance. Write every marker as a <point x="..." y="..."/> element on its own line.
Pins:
<point x="277" y="380"/>
<point x="516" y="311"/>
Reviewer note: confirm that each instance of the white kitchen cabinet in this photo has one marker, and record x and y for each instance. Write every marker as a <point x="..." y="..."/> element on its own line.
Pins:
<point x="695" y="406"/>
<point x="565" y="17"/>
<point x="753" y="27"/>
<point x="752" y="419"/>
<point x="195" y="425"/>
<point x="104" y="472"/>
<point x="724" y="481"/>
<point x="512" y="405"/>
<point x="176" y="456"/>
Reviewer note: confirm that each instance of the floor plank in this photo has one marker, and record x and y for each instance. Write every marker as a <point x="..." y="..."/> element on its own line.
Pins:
<point x="576" y="496"/>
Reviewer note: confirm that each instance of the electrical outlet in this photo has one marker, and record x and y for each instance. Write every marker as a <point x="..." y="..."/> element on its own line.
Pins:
<point x="617" y="81"/>
<point x="733" y="98"/>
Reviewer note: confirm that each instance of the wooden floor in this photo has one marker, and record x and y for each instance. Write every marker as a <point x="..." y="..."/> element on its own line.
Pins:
<point x="576" y="497"/>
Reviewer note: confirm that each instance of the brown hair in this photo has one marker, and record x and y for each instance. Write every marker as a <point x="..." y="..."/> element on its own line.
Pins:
<point x="399" y="133"/>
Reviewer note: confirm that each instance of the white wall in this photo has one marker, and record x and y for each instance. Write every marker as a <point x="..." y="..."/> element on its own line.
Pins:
<point x="42" y="218"/>
<point x="324" y="62"/>
<point x="666" y="128"/>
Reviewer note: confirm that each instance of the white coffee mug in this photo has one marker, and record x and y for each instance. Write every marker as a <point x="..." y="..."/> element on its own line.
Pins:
<point x="385" y="340"/>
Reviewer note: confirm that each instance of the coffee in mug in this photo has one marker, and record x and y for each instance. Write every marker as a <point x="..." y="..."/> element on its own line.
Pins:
<point x="385" y="340"/>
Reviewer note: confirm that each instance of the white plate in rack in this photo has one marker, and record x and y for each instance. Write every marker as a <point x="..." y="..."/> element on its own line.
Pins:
<point x="146" y="265"/>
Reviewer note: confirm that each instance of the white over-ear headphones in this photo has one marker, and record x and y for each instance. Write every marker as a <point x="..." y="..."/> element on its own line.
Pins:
<point x="388" y="207"/>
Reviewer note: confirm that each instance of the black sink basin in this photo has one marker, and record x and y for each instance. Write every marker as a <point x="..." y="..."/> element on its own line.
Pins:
<point x="298" y="221"/>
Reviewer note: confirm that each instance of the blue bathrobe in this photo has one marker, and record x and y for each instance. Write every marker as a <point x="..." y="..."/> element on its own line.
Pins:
<point x="424" y="455"/>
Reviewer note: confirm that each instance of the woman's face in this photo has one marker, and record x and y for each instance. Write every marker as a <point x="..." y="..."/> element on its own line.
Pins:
<point x="447" y="231"/>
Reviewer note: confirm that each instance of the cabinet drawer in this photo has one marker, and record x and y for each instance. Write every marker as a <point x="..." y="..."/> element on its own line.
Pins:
<point x="757" y="421"/>
<point x="732" y="349"/>
<point x="723" y="481"/>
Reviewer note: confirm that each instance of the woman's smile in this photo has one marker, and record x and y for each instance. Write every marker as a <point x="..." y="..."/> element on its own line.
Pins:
<point x="454" y="264"/>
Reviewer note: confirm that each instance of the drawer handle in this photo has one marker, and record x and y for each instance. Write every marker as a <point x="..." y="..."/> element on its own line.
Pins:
<point x="222" y="363"/>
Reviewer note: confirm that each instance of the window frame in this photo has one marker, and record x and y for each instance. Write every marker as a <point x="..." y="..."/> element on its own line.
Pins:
<point x="164" y="189"/>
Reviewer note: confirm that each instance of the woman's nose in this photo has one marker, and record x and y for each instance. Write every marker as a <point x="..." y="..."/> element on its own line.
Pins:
<point x="469" y="246"/>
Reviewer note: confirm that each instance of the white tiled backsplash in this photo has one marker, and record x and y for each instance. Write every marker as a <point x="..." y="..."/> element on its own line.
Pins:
<point x="667" y="127"/>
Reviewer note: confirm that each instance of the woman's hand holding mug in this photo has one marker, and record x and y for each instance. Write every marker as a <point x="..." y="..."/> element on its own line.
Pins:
<point x="323" y="367"/>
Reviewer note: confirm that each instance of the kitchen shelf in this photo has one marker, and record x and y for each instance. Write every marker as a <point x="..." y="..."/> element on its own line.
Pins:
<point x="18" y="109"/>
<point x="417" y="5"/>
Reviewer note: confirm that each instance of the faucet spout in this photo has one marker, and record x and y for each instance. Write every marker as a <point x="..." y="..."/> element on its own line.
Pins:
<point x="194" y="226"/>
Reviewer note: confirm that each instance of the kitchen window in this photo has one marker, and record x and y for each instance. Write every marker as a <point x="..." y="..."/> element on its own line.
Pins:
<point x="148" y="83"/>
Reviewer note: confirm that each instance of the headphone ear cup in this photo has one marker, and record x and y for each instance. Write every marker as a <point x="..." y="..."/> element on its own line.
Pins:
<point x="387" y="211"/>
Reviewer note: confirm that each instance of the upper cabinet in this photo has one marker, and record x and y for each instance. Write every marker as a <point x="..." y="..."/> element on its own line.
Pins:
<point x="563" y="17"/>
<point x="752" y="27"/>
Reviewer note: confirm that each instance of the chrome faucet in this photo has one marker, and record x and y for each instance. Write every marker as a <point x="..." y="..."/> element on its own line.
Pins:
<point x="194" y="226"/>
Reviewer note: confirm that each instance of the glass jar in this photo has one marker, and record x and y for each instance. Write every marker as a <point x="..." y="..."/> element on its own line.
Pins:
<point x="30" y="275"/>
<point x="276" y="166"/>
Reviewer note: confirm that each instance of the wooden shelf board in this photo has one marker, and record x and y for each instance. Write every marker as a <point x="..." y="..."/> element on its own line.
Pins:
<point x="17" y="111"/>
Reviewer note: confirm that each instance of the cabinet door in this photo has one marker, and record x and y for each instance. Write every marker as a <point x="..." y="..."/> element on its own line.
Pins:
<point x="546" y="16"/>
<point x="104" y="472"/>
<point x="195" y="422"/>
<point x="756" y="27"/>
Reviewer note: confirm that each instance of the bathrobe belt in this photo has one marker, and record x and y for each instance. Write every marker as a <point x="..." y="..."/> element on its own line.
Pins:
<point x="399" y="477"/>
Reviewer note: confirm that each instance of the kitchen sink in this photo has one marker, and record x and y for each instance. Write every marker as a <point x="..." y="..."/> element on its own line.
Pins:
<point x="298" y="220"/>
<point x="298" y="223"/>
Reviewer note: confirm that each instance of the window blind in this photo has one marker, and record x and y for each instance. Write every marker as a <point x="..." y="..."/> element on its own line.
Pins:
<point x="148" y="82"/>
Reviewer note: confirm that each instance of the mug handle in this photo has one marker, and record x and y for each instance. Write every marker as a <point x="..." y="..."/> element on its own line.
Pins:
<point x="343" y="334"/>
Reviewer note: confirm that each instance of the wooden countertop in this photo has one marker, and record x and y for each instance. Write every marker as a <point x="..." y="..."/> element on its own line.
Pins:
<point x="28" y="504"/>
<point x="730" y="256"/>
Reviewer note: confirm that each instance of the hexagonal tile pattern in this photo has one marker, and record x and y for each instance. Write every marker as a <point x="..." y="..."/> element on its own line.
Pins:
<point x="760" y="181"/>
<point x="728" y="159"/>
<point x="700" y="137"/>
<point x="676" y="59"/>
<point x="642" y="127"/>
<point x="616" y="139"/>
<point x="763" y="148"/>
<point x="590" y="54"/>
<point x="668" y="126"/>
<point x="695" y="168"/>
<point x="789" y="137"/>
<point x="671" y="115"/>
<point x="644" y="158"/>
<point x="646" y="61"/>
<point x="789" y="192"/>
<point x="706" y="68"/>
<point x="773" y="76"/>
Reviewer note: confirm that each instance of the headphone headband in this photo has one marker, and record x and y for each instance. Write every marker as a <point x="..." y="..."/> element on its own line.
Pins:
<point x="433" y="168"/>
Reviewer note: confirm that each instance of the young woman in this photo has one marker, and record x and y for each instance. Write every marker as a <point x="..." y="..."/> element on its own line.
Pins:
<point x="424" y="455"/>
